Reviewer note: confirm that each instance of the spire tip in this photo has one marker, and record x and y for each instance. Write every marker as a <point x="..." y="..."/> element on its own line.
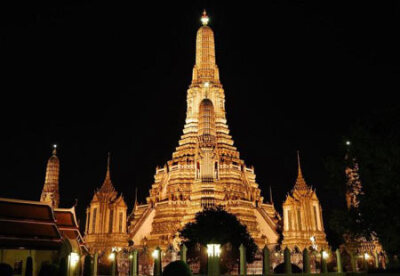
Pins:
<point x="298" y="163"/>
<point x="205" y="18"/>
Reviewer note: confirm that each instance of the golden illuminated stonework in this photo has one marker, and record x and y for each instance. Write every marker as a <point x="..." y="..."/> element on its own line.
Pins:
<point x="106" y="219"/>
<point x="205" y="169"/>
<point x="50" y="192"/>
<point x="303" y="226"/>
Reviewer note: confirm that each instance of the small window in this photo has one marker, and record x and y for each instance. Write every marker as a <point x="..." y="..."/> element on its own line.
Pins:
<point x="110" y="222"/>
<point x="120" y="222"/>
<point x="94" y="220"/>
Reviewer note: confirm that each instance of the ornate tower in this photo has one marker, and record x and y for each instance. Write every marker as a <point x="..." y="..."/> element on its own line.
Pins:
<point x="302" y="217"/>
<point x="106" y="218"/>
<point x="205" y="169"/>
<point x="50" y="192"/>
<point x="358" y="245"/>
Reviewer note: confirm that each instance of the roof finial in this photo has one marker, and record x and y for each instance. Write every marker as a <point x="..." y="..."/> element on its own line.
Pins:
<point x="108" y="165"/>
<point x="136" y="203"/>
<point x="107" y="184"/>
<point x="205" y="18"/>
<point x="270" y="195"/>
<point x="300" y="182"/>
<point x="300" y="174"/>
<point x="54" y="149"/>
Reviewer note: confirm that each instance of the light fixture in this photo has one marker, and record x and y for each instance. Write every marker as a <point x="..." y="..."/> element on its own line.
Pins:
<point x="366" y="256"/>
<point x="74" y="258"/>
<point x="213" y="250"/>
<point x="204" y="18"/>
<point x="206" y="84"/>
<point x="325" y="255"/>
<point x="348" y="143"/>
<point x="111" y="256"/>
<point x="155" y="254"/>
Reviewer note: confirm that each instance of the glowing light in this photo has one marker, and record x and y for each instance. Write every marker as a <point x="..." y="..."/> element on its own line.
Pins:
<point x="130" y="256"/>
<point x="213" y="250"/>
<point x="348" y="143"/>
<point x="366" y="256"/>
<point x="325" y="255"/>
<point x="55" y="146"/>
<point x="206" y="84"/>
<point x="155" y="254"/>
<point x="312" y="239"/>
<point x="74" y="258"/>
<point x="204" y="18"/>
<point x="111" y="256"/>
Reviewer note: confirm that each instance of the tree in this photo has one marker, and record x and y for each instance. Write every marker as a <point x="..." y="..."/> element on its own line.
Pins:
<point x="375" y="145"/>
<point x="177" y="268"/>
<point x="215" y="225"/>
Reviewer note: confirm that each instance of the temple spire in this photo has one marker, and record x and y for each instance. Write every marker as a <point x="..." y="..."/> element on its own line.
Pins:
<point x="300" y="182"/>
<point x="107" y="186"/>
<point x="205" y="69"/>
<point x="50" y="192"/>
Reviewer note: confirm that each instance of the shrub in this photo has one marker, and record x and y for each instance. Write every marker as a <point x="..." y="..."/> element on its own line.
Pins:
<point x="48" y="269"/>
<point x="177" y="268"/>
<point x="6" y="269"/>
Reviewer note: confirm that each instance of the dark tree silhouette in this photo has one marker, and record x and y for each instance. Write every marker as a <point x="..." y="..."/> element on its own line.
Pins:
<point x="215" y="225"/>
<point x="375" y="144"/>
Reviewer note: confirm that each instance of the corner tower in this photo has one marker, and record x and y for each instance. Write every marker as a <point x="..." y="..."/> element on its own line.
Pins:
<point x="50" y="192"/>
<point x="205" y="169"/>
<point x="106" y="218"/>
<point x="303" y="226"/>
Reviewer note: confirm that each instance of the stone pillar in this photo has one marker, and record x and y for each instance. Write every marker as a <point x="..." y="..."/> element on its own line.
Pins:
<point x="183" y="253"/>
<point x="339" y="261"/>
<point x="376" y="256"/>
<point x="306" y="261"/>
<point x="134" y="263"/>
<point x="157" y="271"/>
<point x="95" y="262"/>
<point x="365" y="262"/>
<point x="353" y="262"/>
<point x="243" y="264"/>
<point x="324" y="267"/>
<point x="213" y="263"/>
<point x="29" y="266"/>
<point x="266" y="261"/>
<point x="114" y="265"/>
<point x="288" y="264"/>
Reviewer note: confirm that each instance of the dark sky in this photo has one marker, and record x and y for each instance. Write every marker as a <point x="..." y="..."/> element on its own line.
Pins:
<point x="95" y="76"/>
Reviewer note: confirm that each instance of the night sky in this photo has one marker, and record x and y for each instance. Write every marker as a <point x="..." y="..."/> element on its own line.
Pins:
<point x="95" y="76"/>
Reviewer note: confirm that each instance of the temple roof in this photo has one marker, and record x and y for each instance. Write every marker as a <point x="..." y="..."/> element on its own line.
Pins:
<point x="29" y="224"/>
<point x="36" y="225"/>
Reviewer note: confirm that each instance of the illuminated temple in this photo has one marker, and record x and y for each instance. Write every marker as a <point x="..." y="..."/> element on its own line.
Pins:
<point x="205" y="169"/>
